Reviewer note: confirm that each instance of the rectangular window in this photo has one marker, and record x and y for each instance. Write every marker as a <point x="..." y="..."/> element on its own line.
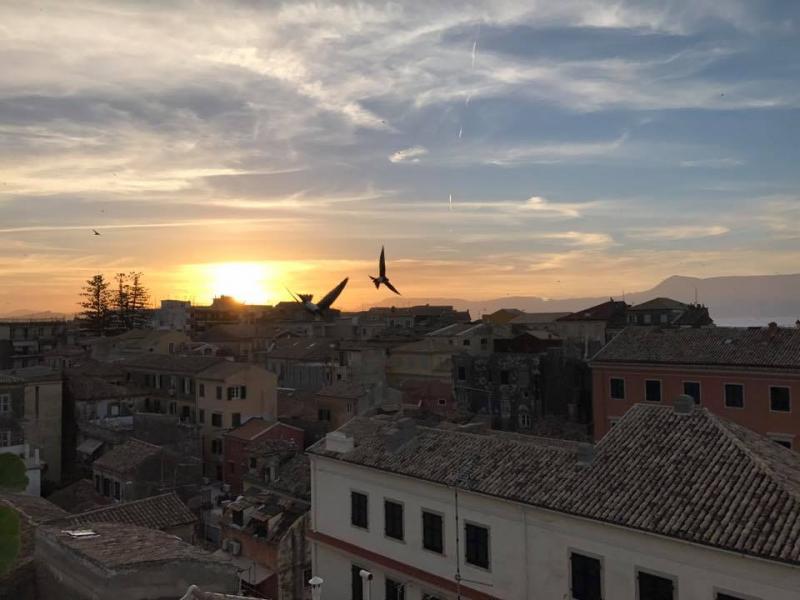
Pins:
<point x="652" y="390"/>
<point x="779" y="400"/>
<point x="734" y="395"/>
<point x="395" y="590"/>
<point x="393" y="519"/>
<point x="219" y="392"/>
<point x="216" y="420"/>
<point x="358" y="510"/>
<point x="692" y="388"/>
<point x="97" y="487"/>
<point x="617" y="386"/>
<point x="432" y="538"/>
<point x="477" y="545"/>
<point x="586" y="580"/>
<point x="253" y="463"/>
<point x="236" y="419"/>
<point x="216" y="446"/>
<point x="504" y="377"/>
<point x="117" y="491"/>
<point x="462" y="373"/>
<point x="324" y="414"/>
<point x="106" y="487"/>
<point x="5" y="403"/>
<point x="648" y="319"/>
<point x="355" y="583"/>
<point x="202" y="416"/>
<point x="202" y="390"/>
<point x="233" y="392"/>
<point x="653" y="587"/>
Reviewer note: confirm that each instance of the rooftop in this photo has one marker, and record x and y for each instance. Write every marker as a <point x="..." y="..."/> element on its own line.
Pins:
<point x="428" y="345"/>
<point x="606" y="311"/>
<point x="157" y="512"/>
<point x="115" y="545"/>
<point x="170" y="362"/>
<point x="79" y="496"/>
<point x="126" y="457"/>
<point x="349" y="390"/>
<point x="534" y="318"/>
<point x="660" y="304"/>
<point x="694" y="477"/>
<point x="307" y="349"/>
<point x="34" y="508"/>
<point x="739" y="346"/>
<point x="195" y="593"/>
<point x="251" y="429"/>
<point x="35" y="373"/>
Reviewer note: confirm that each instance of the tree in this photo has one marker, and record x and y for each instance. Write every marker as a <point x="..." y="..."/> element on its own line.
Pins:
<point x="13" y="478"/>
<point x="96" y="304"/>
<point x="138" y="300"/>
<point x="119" y="301"/>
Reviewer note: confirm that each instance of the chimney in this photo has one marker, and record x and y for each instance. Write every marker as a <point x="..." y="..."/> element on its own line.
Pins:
<point x="772" y="329"/>
<point x="586" y="454"/>
<point x="797" y="324"/>
<point x="337" y="441"/>
<point x="683" y="405"/>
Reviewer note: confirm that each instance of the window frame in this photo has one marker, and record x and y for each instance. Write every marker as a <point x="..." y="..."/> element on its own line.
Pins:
<point x="221" y="420"/>
<point x="725" y="395"/>
<point x="660" y="390"/>
<point x="572" y="550"/>
<point x="738" y="595"/>
<point x="366" y="509"/>
<point x="402" y="538"/>
<point x="5" y="399"/>
<point x="788" y="391"/>
<point x="443" y="537"/>
<point x="399" y="588"/>
<point x="699" y="400"/>
<point x="355" y="575"/>
<point x="611" y="388"/>
<point x="654" y="573"/>
<point x="488" y="567"/>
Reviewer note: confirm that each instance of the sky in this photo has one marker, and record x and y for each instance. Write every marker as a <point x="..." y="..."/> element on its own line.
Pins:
<point x="554" y="149"/>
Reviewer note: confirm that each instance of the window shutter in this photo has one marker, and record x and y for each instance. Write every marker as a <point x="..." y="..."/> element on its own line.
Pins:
<point x="230" y="393"/>
<point x="243" y="392"/>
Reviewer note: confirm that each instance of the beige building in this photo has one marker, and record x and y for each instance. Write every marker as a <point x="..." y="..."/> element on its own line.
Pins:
<point x="228" y="394"/>
<point x="139" y="341"/>
<point x="430" y="358"/>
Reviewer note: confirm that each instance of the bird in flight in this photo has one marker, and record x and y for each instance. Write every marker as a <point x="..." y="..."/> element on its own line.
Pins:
<point x="381" y="278"/>
<point x="323" y="305"/>
<point x="94" y="231"/>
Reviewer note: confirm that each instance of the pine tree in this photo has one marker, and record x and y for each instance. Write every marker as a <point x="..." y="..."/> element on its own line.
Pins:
<point x="138" y="300"/>
<point x="120" y="302"/>
<point x="96" y="304"/>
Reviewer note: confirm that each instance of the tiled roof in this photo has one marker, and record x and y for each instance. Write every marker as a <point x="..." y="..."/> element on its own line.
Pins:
<point x="601" y="312"/>
<point x="426" y="346"/>
<point x="534" y="318"/>
<point x="223" y="369"/>
<point x="34" y="373"/>
<point x="695" y="477"/>
<point x="195" y="593"/>
<point x="78" y="497"/>
<point x="343" y="389"/>
<point x="82" y="388"/>
<point x="35" y="508"/>
<point x="306" y="349"/>
<point x="660" y="304"/>
<point x="127" y="457"/>
<point x="738" y="346"/>
<point x="251" y="429"/>
<point x="116" y="545"/>
<point x="170" y="362"/>
<point x="237" y="332"/>
<point x="157" y="512"/>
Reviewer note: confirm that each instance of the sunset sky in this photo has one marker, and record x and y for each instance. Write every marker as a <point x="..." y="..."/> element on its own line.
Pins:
<point x="589" y="147"/>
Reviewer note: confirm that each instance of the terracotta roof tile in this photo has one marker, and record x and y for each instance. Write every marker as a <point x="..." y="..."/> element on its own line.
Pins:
<point x="157" y="512"/>
<point x="127" y="456"/>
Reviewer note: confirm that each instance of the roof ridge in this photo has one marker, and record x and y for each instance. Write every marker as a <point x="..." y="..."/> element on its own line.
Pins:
<point x="762" y="463"/>
<point x="117" y="505"/>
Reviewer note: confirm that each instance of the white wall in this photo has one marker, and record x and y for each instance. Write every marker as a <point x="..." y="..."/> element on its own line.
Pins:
<point x="529" y="547"/>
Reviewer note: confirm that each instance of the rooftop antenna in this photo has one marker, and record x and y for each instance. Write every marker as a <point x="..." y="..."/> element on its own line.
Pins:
<point x="695" y="294"/>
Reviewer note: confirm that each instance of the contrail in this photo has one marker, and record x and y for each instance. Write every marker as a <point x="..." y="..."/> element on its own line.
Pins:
<point x="460" y="131"/>
<point x="451" y="201"/>
<point x="474" y="51"/>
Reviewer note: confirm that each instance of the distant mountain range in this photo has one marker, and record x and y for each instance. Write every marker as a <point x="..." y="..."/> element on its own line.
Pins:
<point x="737" y="299"/>
<point x="27" y="314"/>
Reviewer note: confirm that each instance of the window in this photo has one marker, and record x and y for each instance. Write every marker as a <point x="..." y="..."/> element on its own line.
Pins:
<point x="202" y="390"/>
<point x="654" y="587"/>
<point x="647" y="319"/>
<point x="219" y="392"/>
<point x="5" y="438"/>
<point x="358" y="510"/>
<point x="652" y="390"/>
<point x="692" y="388"/>
<point x="779" y="400"/>
<point x="253" y="463"/>
<point x="586" y="582"/>
<point x="355" y="583"/>
<point x="233" y="392"/>
<point x="106" y="487"/>
<point x="395" y="590"/>
<point x="216" y="446"/>
<point x="734" y="395"/>
<point x="349" y="408"/>
<point x="462" y="373"/>
<point x="117" y="491"/>
<point x="5" y="403"/>
<point x="477" y="545"/>
<point x="617" y="385"/>
<point x="324" y="414"/>
<point x="157" y="380"/>
<point x="432" y="538"/>
<point x="202" y="417"/>
<point x="524" y="418"/>
<point x="236" y="419"/>
<point x="97" y="487"/>
<point x="466" y="342"/>
<point x="393" y="519"/>
<point x="503" y="377"/>
<point x="216" y="420"/>
<point x="172" y="347"/>
<point x="237" y="516"/>
<point x="726" y="596"/>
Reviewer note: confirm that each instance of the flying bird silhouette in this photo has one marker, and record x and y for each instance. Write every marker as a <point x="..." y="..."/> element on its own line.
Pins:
<point x="323" y="305"/>
<point x="94" y="231"/>
<point x="381" y="278"/>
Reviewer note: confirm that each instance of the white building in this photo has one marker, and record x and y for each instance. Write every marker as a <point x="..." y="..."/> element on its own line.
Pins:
<point x="671" y="504"/>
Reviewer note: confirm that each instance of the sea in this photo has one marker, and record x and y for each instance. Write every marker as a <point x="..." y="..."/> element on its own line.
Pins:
<point x="755" y="321"/>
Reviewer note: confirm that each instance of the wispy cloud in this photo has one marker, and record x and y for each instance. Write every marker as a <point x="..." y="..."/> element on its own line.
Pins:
<point x="408" y="155"/>
<point x="677" y="232"/>
<point x="712" y="163"/>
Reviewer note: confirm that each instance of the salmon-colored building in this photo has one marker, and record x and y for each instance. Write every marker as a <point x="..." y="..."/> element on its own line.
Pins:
<point x="749" y="375"/>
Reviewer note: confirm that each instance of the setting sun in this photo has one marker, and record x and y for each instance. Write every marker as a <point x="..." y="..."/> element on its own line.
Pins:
<point x="249" y="282"/>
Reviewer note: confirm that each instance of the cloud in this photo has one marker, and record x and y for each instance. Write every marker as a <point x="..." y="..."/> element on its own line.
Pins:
<point x="543" y="206"/>
<point x="408" y="155"/>
<point x="712" y="163"/>
<point x="677" y="232"/>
